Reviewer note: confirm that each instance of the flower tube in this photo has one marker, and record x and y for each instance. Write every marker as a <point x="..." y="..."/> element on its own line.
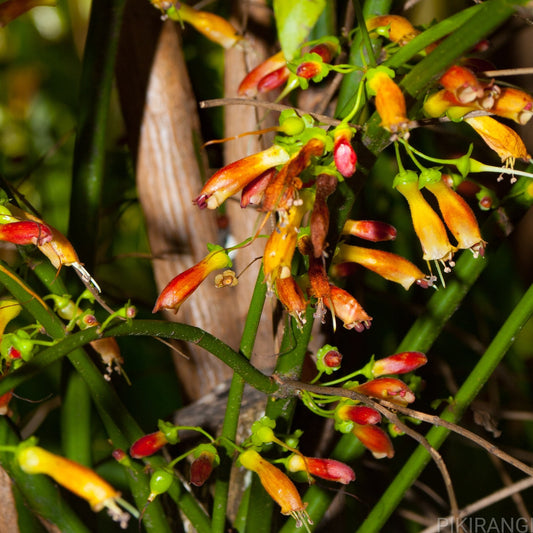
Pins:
<point x="391" y="389"/>
<point x="75" y="477"/>
<point x="398" y="29"/>
<point x="390" y="266"/>
<point x="249" y="85"/>
<point x="278" y="485"/>
<point x="25" y="232"/>
<point x="233" y="177"/>
<point x="343" y="153"/>
<point x="514" y="104"/>
<point x="348" y="309"/>
<point x="373" y="438"/>
<point x="400" y="363"/>
<point x="427" y="224"/>
<point x="458" y="216"/>
<point x="462" y="83"/>
<point x="329" y="469"/>
<point x="370" y="230"/>
<point x="184" y="284"/>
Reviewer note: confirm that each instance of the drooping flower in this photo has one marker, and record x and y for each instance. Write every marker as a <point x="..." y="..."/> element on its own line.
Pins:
<point x="205" y="460"/>
<point x="343" y="153"/>
<point x="458" y="216"/>
<point x="184" y="284"/>
<point x="385" y="388"/>
<point x="373" y="438"/>
<point x="329" y="469"/>
<point x="276" y="63"/>
<point x="427" y="224"/>
<point x="462" y="83"/>
<point x="370" y="230"/>
<point x="390" y="266"/>
<point x="233" y="177"/>
<point x="319" y="221"/>
<point x="500" y="138"/>
<point x="215" y="28"/>
<point x="75" y="477"/>
<point x="400" y="363"/>
<point x="390" y="102"/>
<point x="292" y="297"/>
<point x="278" y="485"/>
<point x="348" y="309"/>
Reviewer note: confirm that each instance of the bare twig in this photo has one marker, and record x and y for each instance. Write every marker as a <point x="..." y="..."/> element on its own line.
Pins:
<point x="484" y="502"/>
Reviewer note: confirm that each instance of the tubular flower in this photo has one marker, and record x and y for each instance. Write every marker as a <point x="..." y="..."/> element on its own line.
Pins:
<point x="319" y="286"/>
<point x="215" y="28"/>
<point x="343" y="153"/>
<point x="444" y="101"/>
<point x="514" y="104"/>
<point x="75" y="477"/>
<point x="400" y="363"/>
<point x="374" y="439"/>
<point x="233" y="177"/>
<point x="427" y="224"/>
<point x="390" y="266"/>
<point x="292" y="298"/>
<point x="390" y="102"/>
<point x="391" y="389"/>
<point x="205" y="460"/>
<point x="249" y="85"/>
<point x="184" y="284"/>
<point x="281" y="244"/>
<point x="148" y="445"/>
<point x="278" y="485"/>
<point x="253" y="192"/>
<point x="500" y="138"/>
<point x="329" y="469"/>
<point x="359" y="414"/>
<point x="319" y="222"/>
<point x="398" y="29"/>
<point x="348" y="309"/>
<point x="280" y="193"/>
<point x="462" y="83"/>
<point x="11" y="9"/>
<point x="370" y="230"/>
<point x="459" y="218"/>
<point x="25" y="232"/>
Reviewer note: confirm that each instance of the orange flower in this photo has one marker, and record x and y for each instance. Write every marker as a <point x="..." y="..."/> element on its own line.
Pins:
<point x="400" y="363"/>
<point x="184" y="284"/>
<point x="514" y="104"/>
<point x="458" y="216"/>
<point x="500" y="138"/>
<point x="397" y="29"/>
<point x="462" y="83"/>
<point x="374" y="439"/>
<point x="329" y="469"/>
<point x="348" y="309"/>
<point x="215" y="28"/>
<point x="390" y="102"/>
<point x="249" y="85"/>
<point x="278" y="485"/>
<point x="233" y="177"/>
<point x="319" y="221"/>
<point x="444" y="101"/>
<point x="75" y="477"/>
<point x="292" y="298"/>
<point x="428" y="226"/>
<point x="25" y="232"/>
<point x="390" y="266"/>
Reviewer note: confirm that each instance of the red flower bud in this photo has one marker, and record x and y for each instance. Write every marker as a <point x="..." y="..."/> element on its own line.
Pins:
<point x="201" y="468"/>
<point x="148" y="445"/>
<point x="25" y="232"/>
<point x="374" y="439"/>
<point x="332" y="359"/>
<point x="399" y="363"/>
<point x="308" y="69"/>
<point x="249" y="85"/>
<point x="324" y="468"/>
<point x="360" y="414"/>
<point x="370" y="230"/>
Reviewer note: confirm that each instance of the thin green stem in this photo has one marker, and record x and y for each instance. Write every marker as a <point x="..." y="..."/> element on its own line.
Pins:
<point x="367" y="43"/>
<point x="466" y="394"/>
<point x="231" y="418"/>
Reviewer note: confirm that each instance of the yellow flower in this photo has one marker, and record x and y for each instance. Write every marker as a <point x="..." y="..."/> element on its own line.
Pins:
<point x="500" y="138"/>
<point x="75" y="477"/>
<point x="398" y="29"/>
<point x="278" y="485"/>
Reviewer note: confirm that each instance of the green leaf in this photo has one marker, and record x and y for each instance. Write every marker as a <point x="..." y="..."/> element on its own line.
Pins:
<point x="294" y="21"/>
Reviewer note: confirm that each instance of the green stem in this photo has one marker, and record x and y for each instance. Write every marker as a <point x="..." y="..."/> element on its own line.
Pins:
<point x="233" y="407"/>
<point x="367" y="43"/>
<point x="466" y="394"/>
<point x="89" y="151"/>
